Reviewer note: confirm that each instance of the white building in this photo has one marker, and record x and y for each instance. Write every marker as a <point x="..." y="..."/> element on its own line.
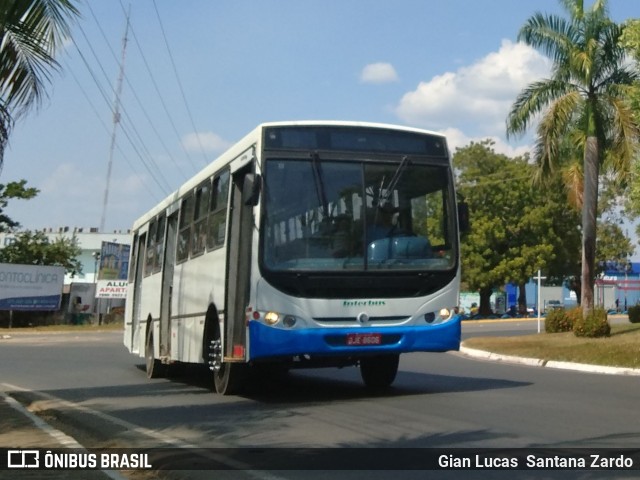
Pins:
<point x="89" y="241"/>
<point x="81" y="287"/>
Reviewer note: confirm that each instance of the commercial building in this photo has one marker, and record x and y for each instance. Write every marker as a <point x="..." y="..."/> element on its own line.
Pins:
<point x="79" y="289"/>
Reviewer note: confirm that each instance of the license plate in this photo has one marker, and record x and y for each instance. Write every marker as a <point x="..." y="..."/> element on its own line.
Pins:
<point x="363" y="339"/>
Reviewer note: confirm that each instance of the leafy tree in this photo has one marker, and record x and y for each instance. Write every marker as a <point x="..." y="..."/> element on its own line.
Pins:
<point x="613" y="245"/>
<point x="630" y="40"/>
<point x="515" y="229"/>
<point x="35" y="248"/>
<point x="585" y="100"/>
<point x="31" y="31"/>
<point x="8" y="191"/>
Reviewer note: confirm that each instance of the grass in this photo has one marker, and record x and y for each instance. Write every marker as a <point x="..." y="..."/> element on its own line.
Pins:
<point x="621" y="349"/>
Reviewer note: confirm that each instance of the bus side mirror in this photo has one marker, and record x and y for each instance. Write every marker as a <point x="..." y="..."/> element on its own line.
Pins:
<point x="463" y="217"/>
<point x="253" y="185"/>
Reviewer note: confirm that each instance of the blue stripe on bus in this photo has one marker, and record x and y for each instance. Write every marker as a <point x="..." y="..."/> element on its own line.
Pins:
<point x="266" y="342"/>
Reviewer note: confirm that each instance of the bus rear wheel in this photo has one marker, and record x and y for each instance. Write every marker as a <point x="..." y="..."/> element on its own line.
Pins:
<point x="153" y="366"/>
<point x="379" y="371"/>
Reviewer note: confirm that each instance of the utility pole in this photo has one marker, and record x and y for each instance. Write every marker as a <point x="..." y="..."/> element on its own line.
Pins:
<point x="539" y="278"/>
<point x="116" y="121"/>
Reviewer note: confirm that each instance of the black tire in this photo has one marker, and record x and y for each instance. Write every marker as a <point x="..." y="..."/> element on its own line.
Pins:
<point x="153" y="366"/>
<point x="228" y="378"/>
<point x="380" y="371"/>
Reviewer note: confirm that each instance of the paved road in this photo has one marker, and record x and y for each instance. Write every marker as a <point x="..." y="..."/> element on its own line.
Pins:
<point x="90" y="387"/>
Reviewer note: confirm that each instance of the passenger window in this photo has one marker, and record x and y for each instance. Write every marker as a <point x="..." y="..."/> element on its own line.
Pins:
<point x="186" y="218"/>
<point x="217" y="226"/>
<point x="201" y="210"/>
<point x="151" y="249"/>
<point x="159" y="244"/>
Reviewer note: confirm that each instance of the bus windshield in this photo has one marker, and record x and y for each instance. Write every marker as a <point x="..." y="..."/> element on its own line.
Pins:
<point x="323" y="215"/>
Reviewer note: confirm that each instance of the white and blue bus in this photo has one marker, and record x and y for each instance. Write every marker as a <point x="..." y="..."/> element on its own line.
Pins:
<point x="307" y="244"/>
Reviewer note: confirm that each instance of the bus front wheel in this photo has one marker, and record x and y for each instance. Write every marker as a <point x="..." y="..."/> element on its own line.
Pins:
<point x="379" y="371"/>
<point x="228" y="378"/>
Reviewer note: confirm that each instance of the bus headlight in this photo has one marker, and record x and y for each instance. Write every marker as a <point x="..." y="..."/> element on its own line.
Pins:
<point x="443" y="315"/>
<point x="278" y="319"/>
<point x="289" y="321"/>
<point x="271" y="318"/>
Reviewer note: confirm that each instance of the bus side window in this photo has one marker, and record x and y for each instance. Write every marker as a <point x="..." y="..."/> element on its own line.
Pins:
<point x="218" y="211"/>
<point x="133" y="258"/>
<point x="199" y="237"/>
<point x="159" y="254"/>
<point x="151" y="249"/>
<point x="184" y="235"/>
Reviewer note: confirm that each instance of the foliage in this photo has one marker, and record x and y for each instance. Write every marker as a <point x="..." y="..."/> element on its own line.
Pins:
<point x="516" y="229"/>
<point x="13" y="190"/>
<point x="593" y="325"/>
<point x="634" y="314"/>
<point x="35" y="248"/>
<point x="557" y="321"/>
<point x="583" y="107"/>
<point x="574" y="315"/>
<point x="630" y="38"/>
<point x="613" y="245"/>
<point x="31" y="31"/>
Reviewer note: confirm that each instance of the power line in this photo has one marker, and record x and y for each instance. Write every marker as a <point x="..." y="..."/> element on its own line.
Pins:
<point x="136" y="97"/>
<point x="107" y="101"/>
<point x="123" y="155"/>
<point x="175" y="71"/>
<point x="160" y="97"/>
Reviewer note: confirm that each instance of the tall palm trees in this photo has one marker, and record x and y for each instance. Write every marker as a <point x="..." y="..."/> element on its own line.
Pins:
<point x="30" y="33"/>
<point x="584" y="101"/>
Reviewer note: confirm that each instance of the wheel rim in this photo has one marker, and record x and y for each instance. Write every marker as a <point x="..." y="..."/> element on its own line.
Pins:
<point x="149" y="353"/>
<point x="215" y="355"/>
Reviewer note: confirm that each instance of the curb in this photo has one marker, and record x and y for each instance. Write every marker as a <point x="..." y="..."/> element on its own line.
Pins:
<point x="536" y="362"/>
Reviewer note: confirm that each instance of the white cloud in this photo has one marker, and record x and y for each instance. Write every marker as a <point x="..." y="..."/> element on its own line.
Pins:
<point x="378" y="73"/>
<point x="457" y="139"/>
<point x="475" y="98"/>
<point x="210" y="142"/>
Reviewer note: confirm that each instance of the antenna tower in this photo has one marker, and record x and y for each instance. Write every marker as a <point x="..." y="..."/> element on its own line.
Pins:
<point x="116" y="121"/>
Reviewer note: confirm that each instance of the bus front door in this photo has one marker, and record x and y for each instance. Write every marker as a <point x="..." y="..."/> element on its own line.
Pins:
<point x="169" y="263"/>
<point x="239" y="265"/>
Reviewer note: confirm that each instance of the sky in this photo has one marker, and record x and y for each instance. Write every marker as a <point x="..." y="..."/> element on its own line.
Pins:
<point x="200" y="74"/>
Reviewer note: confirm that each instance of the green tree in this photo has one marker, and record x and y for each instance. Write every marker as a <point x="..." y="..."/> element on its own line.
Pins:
<point x="630" y="40"/>
<point x="516" y="229"/>
<point x="7" y="192"/>
<point x="35" y="248"/>
<point x="31" y="32"/>
<point x="585" y="99"/>
<point x="613" y="245"/>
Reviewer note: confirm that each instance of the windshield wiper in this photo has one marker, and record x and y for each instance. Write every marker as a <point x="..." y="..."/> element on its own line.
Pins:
<point x="404" y="163"/>
<point x="318" y="180"/>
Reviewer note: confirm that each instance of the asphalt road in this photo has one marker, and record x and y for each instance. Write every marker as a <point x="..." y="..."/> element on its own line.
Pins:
<point x="89" y="386"/>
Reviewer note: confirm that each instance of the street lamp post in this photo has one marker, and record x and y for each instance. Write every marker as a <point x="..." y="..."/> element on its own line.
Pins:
<point x="96" y="261"/>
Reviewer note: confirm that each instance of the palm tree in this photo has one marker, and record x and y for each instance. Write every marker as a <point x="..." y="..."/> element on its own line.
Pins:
<point x="584" y="101"/>
<point x="31" y="31"/>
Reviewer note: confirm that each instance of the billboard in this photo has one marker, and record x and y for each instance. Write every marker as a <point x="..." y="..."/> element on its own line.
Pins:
<point x="30" y="287"/>
<point x="114" y="269"/>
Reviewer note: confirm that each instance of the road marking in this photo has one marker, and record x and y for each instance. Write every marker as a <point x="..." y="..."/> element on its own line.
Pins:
<point x="161" y="437"/>
<point x="60" y="437"/>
